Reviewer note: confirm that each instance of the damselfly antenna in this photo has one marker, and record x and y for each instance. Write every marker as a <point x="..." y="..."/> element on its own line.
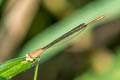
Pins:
<point x="36" y="53"/>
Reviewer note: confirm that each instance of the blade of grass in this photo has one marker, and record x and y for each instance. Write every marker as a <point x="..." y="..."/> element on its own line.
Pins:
<point x="12" y="67"/>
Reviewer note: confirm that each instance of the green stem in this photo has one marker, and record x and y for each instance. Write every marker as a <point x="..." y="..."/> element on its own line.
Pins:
<point x="36" y="71"/>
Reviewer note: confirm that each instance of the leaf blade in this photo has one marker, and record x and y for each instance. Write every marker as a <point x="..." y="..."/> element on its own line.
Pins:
<point x="12" y="67"/>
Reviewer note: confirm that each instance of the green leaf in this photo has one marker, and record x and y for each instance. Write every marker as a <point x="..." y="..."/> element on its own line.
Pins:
<point x="12" y="67"/>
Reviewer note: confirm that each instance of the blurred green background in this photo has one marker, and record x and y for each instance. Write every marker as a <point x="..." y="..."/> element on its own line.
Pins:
<point x="26" y="25"/>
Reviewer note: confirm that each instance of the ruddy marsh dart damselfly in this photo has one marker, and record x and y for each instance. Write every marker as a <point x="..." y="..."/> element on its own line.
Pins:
<point x="36" y="53"/>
